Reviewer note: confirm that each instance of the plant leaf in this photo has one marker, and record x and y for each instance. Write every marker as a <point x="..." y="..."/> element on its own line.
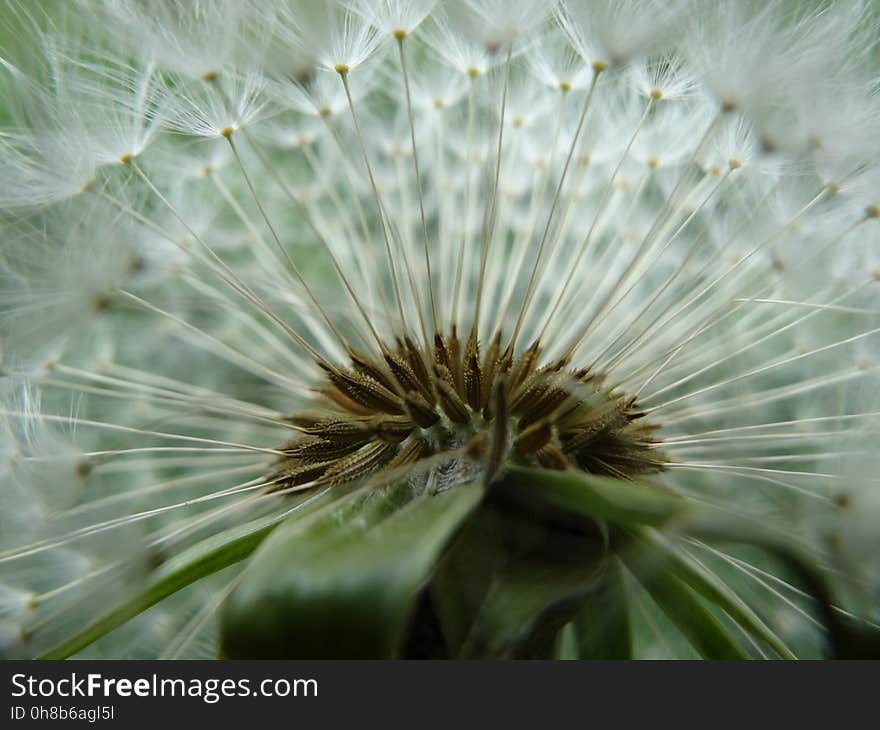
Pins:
<point x="344" y="584"/>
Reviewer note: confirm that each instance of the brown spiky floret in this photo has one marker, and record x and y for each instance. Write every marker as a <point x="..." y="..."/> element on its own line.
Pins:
<point x="385" y="414"/>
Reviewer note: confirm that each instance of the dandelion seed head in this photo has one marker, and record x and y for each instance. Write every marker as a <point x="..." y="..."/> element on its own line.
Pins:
<point x="258" y="253"/>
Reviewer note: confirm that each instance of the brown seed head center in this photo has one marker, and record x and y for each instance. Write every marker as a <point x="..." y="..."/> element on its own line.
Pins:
<point x="388" y="413"/>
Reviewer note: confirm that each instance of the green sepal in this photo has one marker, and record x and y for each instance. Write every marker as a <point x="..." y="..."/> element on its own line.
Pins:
<point x="513" y="579"/>
<point x="205" y="558"/>
<point x="848" y="637"/>
<point x="599" y="498"/>
<point x="683" y="606"/>
<point x="665" y="556"/>
<point x="602" y="627"/>
<point x="343" y="583"/>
